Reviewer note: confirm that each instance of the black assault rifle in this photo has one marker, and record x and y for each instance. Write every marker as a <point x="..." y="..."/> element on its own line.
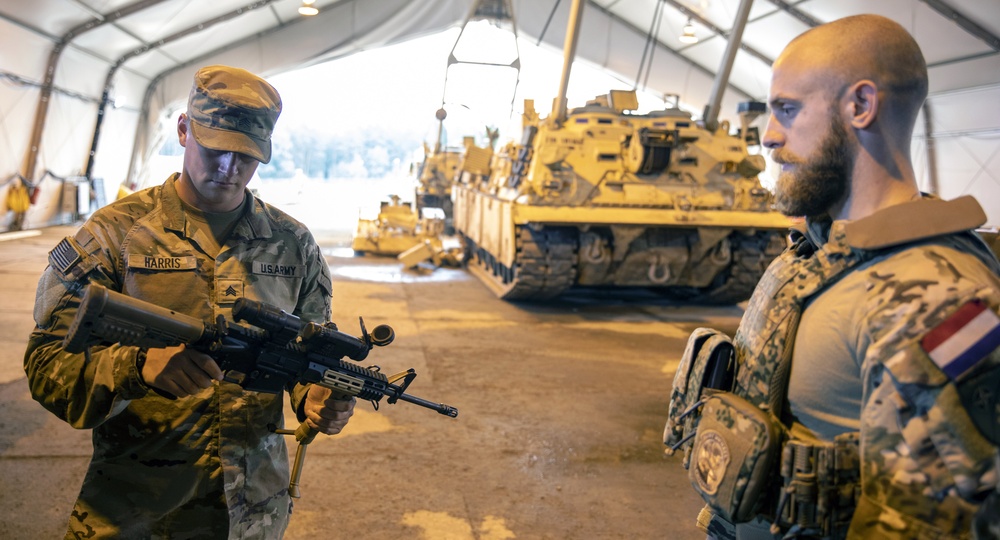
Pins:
<point x="278" y="349"/>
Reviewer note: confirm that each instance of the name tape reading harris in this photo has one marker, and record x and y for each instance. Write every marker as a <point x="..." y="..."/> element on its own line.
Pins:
<point x="156" y="262"/>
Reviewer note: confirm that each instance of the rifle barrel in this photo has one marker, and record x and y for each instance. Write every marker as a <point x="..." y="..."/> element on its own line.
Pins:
<point x="446" y="410"/>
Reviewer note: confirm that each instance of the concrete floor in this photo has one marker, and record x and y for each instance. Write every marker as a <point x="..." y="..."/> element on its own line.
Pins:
<point x="561" y="412"/>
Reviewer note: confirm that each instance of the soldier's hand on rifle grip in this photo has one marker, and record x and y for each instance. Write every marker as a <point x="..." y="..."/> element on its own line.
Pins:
<point x="326" y="412"/>
<point x="179" y="371"/>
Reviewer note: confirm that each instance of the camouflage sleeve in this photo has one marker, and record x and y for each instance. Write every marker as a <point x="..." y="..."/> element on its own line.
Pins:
<point x="929" y="418"/>
<point x="313" y="304"/>
<point x="317" y="289"/>
<point x="82" y="389"/>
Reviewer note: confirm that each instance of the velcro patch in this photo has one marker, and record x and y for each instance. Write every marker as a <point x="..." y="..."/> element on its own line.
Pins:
<point x="276" y="269"/>
<point x="963" y="339"/>
<point x="710" y="458"/>
<point x="229" y="291"/>
<point x="65" y="256"/>
<point x="162" y="262"/>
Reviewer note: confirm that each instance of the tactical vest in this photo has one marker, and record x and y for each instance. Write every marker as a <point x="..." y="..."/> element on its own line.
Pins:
<point x="746" y="424"/>
<point x="764" y="347"/>
<point x="763" y="343"/>
<point x="764" y="340"/>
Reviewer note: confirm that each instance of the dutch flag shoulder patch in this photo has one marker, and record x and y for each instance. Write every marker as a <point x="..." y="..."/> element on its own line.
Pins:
<point x="963" y="339"/>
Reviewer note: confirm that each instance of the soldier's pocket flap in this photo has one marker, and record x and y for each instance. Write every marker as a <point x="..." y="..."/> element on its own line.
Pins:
<point x="734" y="452"/>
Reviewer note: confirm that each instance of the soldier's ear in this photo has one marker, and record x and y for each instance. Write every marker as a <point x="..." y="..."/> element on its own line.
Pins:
<point x="864" y="103"/>
<point x="182" y="129"/>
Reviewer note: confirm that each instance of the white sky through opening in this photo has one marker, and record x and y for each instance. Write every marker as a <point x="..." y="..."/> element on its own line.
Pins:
<point x="404" y="84"/>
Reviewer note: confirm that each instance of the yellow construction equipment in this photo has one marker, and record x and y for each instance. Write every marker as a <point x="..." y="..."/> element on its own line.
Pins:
<point x="397" y="228"/>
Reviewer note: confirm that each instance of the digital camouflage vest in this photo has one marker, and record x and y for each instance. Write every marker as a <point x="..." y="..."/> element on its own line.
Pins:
<point x="764" y="340"/>
<point x="819" y="481"/>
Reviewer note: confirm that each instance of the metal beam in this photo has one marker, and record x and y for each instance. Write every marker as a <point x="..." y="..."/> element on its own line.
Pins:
<point x="961" y="59"/>
<point x="31" y="158"/>
<point x="797" y="13"/>
<point x="28" y="27"/>
<point x="146" y="47"/>
<point x="593" y="5"/>
<point x="965" y="23"/>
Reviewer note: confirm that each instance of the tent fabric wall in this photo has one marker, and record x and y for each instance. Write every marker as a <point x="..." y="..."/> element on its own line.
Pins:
<point x="959" y="152"/>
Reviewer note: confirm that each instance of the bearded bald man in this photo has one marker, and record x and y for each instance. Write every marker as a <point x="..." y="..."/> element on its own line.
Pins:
<point x="871" y="347"/>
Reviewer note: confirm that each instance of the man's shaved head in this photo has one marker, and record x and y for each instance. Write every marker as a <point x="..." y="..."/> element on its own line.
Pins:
<point x="844" y="99"/>
<point x="866" y="47"/>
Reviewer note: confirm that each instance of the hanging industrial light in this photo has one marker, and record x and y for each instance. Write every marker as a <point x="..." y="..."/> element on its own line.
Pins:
<point x="688" y="35"/>
<point x="307" y="8"/>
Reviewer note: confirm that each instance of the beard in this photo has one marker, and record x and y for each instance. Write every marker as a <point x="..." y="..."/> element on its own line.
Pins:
<point x="817" y="184"/>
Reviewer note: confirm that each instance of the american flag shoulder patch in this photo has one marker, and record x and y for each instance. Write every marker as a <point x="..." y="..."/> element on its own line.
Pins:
<point x="963" y="339"/>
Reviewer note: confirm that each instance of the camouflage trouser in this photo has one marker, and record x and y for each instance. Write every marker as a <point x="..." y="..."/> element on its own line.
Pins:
<point x="717" y="528"/>
<point x="987" y="522"/>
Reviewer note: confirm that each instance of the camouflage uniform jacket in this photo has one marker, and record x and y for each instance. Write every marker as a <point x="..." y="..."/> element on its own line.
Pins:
<point x="928" y="432"/>
<point x="205" y="466"/>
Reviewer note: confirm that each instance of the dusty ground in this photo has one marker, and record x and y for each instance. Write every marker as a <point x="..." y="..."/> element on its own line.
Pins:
<point x="561" y="412"/>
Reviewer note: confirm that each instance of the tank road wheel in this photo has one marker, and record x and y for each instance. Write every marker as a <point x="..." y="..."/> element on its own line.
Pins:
<point x="544" y="265"/>
<point x="751" y="256"/>
<point x="468" y="251"/>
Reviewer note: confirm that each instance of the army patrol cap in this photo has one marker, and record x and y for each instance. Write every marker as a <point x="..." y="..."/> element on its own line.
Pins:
<point x="233" y="110"/>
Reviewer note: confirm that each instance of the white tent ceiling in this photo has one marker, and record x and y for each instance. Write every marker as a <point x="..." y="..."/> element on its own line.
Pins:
<point x="59" y="57"/>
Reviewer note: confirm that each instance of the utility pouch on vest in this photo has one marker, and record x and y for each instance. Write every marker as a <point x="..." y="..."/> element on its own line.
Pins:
<point x="708" y="365"/>
<point x="820" y="485"/>
<point x="733" y="456"/>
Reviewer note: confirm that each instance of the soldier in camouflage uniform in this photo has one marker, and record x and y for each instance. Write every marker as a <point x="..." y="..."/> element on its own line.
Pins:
<point x="204" y="464"/>
<point x="880" y="323"/>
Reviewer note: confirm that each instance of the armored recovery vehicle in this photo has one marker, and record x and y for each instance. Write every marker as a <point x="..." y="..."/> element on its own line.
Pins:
<point x="601" y="197"/>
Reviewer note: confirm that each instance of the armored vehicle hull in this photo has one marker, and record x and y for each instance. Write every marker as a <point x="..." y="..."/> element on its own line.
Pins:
<point x="609" y="199"/>
<point x="602" y="197"/>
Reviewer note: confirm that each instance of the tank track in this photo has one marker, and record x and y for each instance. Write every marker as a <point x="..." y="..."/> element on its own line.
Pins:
<point x="751" y="256"/>
<point x="545" y="265"/>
